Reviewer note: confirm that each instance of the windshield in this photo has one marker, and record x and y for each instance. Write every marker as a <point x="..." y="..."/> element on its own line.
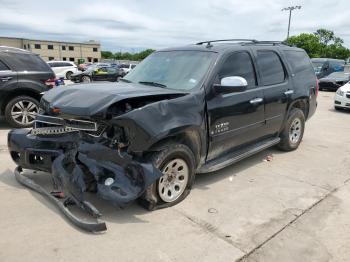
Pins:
<point x="317" y="66"/>
<point x="172" y="69"/>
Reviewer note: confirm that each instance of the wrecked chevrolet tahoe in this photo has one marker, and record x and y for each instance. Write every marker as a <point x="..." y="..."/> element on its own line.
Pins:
<point x="181" y="111"/>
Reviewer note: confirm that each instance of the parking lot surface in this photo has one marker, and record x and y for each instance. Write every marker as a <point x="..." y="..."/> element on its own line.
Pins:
<point x="293" y="208"/>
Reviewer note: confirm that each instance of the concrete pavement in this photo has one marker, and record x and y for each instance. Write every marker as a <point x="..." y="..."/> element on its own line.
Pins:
<point x="294" y="208"/>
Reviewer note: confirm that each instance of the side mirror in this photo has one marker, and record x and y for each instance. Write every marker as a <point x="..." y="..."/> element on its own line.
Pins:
<point x="231" y="84"/>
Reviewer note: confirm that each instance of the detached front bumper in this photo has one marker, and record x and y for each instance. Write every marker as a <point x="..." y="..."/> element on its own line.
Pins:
<point x="78" y="166"/>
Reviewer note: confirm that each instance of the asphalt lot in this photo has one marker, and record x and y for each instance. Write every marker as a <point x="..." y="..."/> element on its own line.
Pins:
<point x="293" y="208"/>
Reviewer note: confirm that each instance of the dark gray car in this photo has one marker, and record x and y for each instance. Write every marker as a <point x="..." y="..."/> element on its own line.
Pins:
<point x="23" y="76"/>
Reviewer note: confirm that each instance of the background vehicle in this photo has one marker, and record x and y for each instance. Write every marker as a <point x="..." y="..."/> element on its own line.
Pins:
<point x="96" y="73"/>
<point x="127" y="67"/>
<point x="23" y="76"/>
<point x="63" y="68"/>
<point x="325" y="66"/>
<point x="342" y="97"/>
<point x="84" y="66"/>
<point x="334" y="81"/>
<point x="188" y="110"/>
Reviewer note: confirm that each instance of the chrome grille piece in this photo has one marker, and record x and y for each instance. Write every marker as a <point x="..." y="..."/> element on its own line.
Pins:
<point x="49" y="125"/>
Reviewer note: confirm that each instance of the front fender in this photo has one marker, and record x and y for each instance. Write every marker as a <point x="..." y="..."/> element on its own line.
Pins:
<point x="154" y="122"/>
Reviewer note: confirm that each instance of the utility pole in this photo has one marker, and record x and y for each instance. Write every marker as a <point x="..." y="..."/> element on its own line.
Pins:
<point x="290" y="9"/>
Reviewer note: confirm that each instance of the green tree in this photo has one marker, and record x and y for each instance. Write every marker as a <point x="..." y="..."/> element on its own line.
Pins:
<point x="126" y="55"/>
<point x="107" y="55"/>
<point x="322" y="43"/>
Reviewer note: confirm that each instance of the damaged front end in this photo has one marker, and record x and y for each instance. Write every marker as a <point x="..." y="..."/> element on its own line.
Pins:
<point x="82" y="156"/>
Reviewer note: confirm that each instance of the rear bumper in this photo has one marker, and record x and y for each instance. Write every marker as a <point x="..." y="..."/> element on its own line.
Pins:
<point x="329" y="86"/>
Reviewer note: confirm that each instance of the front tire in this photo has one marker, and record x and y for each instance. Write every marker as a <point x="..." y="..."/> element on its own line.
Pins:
<point x="69" y="75"/>
<point x="86" y="79"/>
<point x="21" y="111"/>
<point x="293" y="131"/>
<point x="177" y="163"/>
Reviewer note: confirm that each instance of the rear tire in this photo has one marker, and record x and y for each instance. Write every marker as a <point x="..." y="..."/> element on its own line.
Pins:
<point x="293" y="131"/>
<point x="177" y="163"/>
<point x="21" y="111"/>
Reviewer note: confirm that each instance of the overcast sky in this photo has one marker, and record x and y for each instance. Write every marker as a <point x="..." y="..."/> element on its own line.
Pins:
<point x="131" y="25"/>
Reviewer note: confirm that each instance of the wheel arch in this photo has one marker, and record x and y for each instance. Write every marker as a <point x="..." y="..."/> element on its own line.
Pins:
<point x="18" y="92"/>
<point x="190" y="138"/>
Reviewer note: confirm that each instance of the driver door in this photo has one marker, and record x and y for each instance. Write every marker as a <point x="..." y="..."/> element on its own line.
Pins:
<point x="100" y="74"/>
<point x="235" y="118"/>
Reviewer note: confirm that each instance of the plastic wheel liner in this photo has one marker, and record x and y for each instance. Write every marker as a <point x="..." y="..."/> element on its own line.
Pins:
<point x="78" y="166"/>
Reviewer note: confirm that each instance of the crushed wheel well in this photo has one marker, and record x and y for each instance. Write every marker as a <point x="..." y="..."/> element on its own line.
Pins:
<point x="188" y="138"/>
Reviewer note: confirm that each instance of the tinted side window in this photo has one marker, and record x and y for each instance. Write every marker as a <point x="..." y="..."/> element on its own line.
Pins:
<point x="112" y="70"/>
<point x="338" y="66"/>
<point x="239" y="64"/>
<point x="26" y="62"/>
<point x="271" y="68"/>
<point x="3" y="67"/>
<point x="299" y="61"/>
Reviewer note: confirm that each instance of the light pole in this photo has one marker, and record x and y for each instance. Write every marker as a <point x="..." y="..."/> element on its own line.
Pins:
<point x="290" y="9"/>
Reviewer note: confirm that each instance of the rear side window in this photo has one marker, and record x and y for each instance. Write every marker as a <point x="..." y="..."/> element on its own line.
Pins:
<point x="239" y="64"/>
<point x="299" y="61"/>
<point x="3" y="67"/>
<point x="26" y="62"/>
<point x="270" y="67"/>
<point x="338" y="66"/>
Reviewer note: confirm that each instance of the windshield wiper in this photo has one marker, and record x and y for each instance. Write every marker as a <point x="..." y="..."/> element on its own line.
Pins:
<point x="152" y="83"/>
<point x="124" y="80"/>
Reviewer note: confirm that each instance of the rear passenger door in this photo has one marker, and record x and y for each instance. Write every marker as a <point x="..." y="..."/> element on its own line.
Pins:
<point x="8" y="79"/>
<point x="277" y="89"/>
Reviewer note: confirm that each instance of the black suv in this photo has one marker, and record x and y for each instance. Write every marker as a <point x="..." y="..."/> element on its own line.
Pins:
<point x="23" y="76"/>
<point x="181" y="111"/>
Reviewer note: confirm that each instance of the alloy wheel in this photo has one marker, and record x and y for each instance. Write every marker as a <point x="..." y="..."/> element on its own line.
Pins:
<point x="24" y="112"/>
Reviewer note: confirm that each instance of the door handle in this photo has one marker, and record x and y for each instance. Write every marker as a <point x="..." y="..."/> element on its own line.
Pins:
<point x="289" y="92"/>
<point x="256" y="100"/>
<point x="4" y="79"/>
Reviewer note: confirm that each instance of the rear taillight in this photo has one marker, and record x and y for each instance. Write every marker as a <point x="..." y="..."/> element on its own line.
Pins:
<point x="51" y="82"/>
<point x="317" y="87"/>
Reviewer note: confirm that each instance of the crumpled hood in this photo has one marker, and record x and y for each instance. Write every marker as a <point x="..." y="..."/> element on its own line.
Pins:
<point x="91" y="99"/>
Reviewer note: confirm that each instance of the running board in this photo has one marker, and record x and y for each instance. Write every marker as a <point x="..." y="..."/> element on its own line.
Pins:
<point x="236" y="156"/>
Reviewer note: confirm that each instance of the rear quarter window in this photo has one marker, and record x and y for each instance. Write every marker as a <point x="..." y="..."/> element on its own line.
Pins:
<point x="270" y="67"/>
<point x="26" y="62"/>
<point x="299" y="61"/>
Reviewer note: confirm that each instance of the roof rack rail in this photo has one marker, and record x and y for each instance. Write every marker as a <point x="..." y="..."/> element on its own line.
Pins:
<point x="226" y="40"/>
<point x="245" y="42"/>
<point x="268" y="43"/>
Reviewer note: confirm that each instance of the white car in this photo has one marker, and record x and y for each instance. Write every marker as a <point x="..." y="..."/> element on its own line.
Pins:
<point x="63" y="68"/>
<point x="127" y="67"/>
<point x="342" y="97"/>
